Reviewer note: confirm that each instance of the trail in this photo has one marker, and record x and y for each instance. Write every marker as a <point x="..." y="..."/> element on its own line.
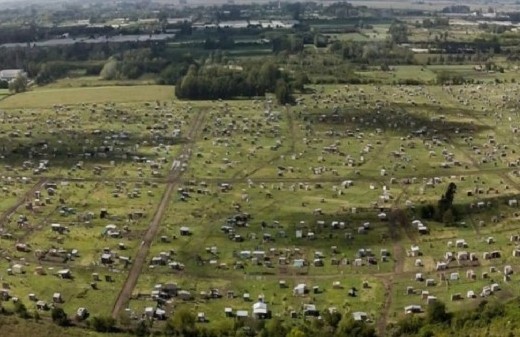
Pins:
<point x="396" y="223"/>
<point x="173" y="179"/>
<point x="9" y="212"/>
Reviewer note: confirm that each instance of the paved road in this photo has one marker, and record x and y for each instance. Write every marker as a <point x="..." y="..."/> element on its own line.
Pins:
<point x="140" y="259"/>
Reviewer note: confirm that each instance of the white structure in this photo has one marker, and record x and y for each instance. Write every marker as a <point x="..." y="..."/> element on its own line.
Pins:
<point x="260" y="309"/>
<point x="300" y="289"/>
<point x="11" y="74"/>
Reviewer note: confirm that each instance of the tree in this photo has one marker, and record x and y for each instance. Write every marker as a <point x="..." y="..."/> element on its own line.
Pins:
<point x="427" y="211"/>
<point x="448" y="217"/>
<point x="103" y="323"/>
<point x="436" y="313"/>
<point x="295" y="10"/>
<point x="142" y="329"/>
<point x="19" y="84"/>
<point x="283" y="93"/>
<point x="446" y="201"/>
<point x="275" y="328"/>
<point x="398" y="32"/>
<point x="21" y="310"/>
<point x="332" y="318"/>
<point x="348" y="327"/>
<point x="268" y="75"/>
<point x="59" y="317"/>
<point x="295" y="332"/>
<point x="300" y="80"/>
<point x="110" y="70"/>
<point x="182" y="322"/>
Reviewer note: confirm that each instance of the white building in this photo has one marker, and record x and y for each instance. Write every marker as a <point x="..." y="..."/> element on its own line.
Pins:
<point x="11" y="74"/>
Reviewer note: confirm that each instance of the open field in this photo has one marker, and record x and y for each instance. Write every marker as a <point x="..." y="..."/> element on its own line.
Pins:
<point x="45" y="97"/>
<point x="95" y="81"/>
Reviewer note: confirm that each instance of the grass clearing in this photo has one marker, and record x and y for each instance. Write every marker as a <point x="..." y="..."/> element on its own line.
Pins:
<point x="46" y="98"/>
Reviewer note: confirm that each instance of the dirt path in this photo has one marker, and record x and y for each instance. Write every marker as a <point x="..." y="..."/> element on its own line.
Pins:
<point x="140" y="259"/>
<point x="26" y="196"/>
<point x="396" y="227"/>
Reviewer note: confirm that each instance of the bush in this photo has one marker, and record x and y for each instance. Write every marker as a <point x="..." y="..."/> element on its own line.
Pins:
<point x="436" y="313"/>
<point x="142" y="329"/>
<point x="103" y="323"/>
<point x="21" y="310"/>
<point x="59" y="317"/>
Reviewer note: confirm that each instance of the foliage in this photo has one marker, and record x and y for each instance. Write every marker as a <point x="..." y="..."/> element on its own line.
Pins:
<point x="59" y="317"/>
<point x="214" y="82"/>
<point x="19" y="84"/>
<point x="102" y="323"/>
<point x="182" y="323"/>
<point x="373" y="52"/>
<point x="348" y="327"/>
<point x="21" y="310"/>
<point x="110" y="70"/>
<point x="437" y="322"/>
<point x="398" y="32"/>
<point x="409" y="325"/>
<point x="283" y="93"/>
<point x="300" y="80"/>
<point x="436" y="22"/>
<point x="296" y="332"/>
<point x="436" y="313"/>
<point x="142" y="329"/>
<point x="445" y="204"/>
<point x="444" y="77"/>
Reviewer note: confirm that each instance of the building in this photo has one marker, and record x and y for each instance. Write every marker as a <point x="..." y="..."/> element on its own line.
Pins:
<point x="260" y="310"/>
<point x="300" y="290"/>
<point x="10" y="74"/>
<point x="360" y="316"/>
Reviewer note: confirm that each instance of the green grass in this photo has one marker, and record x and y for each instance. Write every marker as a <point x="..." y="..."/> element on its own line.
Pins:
<point x="15" y="327"/>
<point x="46" y="98"/>
<point x="95" y="81"/>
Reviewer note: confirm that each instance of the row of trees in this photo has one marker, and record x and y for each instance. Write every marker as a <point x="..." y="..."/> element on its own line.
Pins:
<point x="220" y="82"/>
<point x="486" y="319"/>
<point x="373" y="52"/>
<point x="132" y="64"/>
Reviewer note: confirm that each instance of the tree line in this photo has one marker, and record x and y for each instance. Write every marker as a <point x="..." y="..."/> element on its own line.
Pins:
<point x="225" y="82"/>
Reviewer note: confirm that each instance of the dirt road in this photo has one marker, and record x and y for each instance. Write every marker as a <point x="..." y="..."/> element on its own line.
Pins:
<point x="140" y="259"/>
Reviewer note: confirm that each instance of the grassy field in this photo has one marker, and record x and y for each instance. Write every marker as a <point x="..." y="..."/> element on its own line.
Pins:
<point x="46" y="98"/>
<point x="96" y="81"/>
<point x="15" y="327"/>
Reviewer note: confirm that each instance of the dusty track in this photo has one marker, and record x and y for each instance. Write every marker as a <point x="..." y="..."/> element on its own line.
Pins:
<point x="140" y="258"/>
<point x="27" y="195"/>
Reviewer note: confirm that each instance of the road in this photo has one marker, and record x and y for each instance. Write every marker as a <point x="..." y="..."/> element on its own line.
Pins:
<point x="173" y="179"/>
